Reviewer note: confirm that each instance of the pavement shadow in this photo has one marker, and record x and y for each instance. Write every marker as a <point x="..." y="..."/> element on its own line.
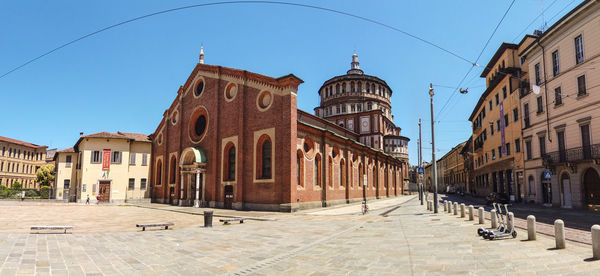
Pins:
<point x="591" y="259"/>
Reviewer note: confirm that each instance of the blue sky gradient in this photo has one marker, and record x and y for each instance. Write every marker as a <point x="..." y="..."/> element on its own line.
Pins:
<point x="123" y="79"/>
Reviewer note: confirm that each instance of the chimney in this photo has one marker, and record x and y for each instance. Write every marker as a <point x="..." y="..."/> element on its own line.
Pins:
<point x="81" y="134"/>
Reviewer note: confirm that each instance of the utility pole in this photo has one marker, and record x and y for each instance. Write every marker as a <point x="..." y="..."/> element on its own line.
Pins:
<point x="419" y="166"/>
<point x="435" y="196"/>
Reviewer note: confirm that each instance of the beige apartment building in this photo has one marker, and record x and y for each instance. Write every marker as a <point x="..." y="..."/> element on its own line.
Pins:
<point x="452" y="170"/>
<point x="561" y="131"/>
<point x="497" y="155"/>
<point x="19" y="162"/>
<point x="109" y="167"/>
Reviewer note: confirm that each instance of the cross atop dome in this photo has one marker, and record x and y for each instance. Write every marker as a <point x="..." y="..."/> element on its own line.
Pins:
<point x="354" y="66"/>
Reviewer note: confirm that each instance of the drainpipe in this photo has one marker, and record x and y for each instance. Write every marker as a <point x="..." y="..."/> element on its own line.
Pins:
<point x="545" y="89"/>
<point x="323" y="171"/>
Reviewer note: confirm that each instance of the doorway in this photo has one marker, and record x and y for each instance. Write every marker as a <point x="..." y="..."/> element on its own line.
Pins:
<point x="591" y="185"/>
<point x="228" y="202"/>
<point x="171" y="195"/>
<point x="546" y="191"/>
<point x="565" y="183"/>
<point x="104" y="191"/>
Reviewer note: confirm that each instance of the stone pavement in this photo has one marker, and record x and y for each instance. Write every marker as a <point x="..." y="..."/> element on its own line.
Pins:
<point x="408" y="241"/>
<point x="578" y="222"/>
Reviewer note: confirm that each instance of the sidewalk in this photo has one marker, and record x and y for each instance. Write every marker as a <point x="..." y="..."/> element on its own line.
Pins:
<point x="578" y="222"/>
<point x="355" y="208"/>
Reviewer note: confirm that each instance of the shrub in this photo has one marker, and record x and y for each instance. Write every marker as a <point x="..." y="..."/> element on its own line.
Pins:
<point x="45" y="191"/>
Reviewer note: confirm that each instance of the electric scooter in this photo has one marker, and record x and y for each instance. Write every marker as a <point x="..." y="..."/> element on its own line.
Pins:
<point x="508" y="231"/>
<point x="484" y="232"/>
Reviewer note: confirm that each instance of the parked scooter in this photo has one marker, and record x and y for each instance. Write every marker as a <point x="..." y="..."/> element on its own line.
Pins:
<point x="484" y="232"/>
<point x="508" y="231"/>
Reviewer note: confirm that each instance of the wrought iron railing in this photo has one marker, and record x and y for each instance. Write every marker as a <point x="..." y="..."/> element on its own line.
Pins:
<point x="573" y="155"/>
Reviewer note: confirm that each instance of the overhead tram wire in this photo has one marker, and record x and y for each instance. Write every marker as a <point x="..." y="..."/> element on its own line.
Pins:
<point x="554" y="16"/>
<point x="536" y="18"/>
<point x="477" y="59"/>
<point x="235" y="3"/>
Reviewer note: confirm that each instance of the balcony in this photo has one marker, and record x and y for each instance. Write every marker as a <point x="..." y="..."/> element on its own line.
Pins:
<point x="572" y="155"/>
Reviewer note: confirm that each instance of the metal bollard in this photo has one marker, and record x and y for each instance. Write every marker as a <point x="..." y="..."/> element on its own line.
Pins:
<point x="481" y="218"/>
<point x="559" y="233"/>
<point x="531" y="228"/>
<point x="449" y="207"/>
<point x="471" y="210"/>
<point x="596" y="241"/>
<point x="511" y="220"/>
<point x="494" y="219"/>
<point x="455" y="208"/>
<point x="462" y="210"/>
<point x="208" y="218"/>
<point x="445" y="206"/>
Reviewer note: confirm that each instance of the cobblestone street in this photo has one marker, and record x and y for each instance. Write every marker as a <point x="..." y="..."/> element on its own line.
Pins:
<point x="408" y="240"/>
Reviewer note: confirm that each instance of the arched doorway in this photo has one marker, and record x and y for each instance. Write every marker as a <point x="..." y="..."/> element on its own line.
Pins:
<point x="591" y="186"/>
<point x="546" y="190"/>
<point x="193" y="176"/>
<point x="565" y="189"/>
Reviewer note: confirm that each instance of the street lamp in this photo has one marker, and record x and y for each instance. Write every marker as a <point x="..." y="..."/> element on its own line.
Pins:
<point x="435" y="193"/>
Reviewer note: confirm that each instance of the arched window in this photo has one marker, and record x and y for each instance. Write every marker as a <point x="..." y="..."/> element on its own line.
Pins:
<point x="330" y="171"/>
<point x="317" y="171"/>
<point x="360" y="174"/>
<point x="369" y="106"/>
<point x="359" y="86"/>
<point x="373" y="88"/>
<point x="344" y="87"/>
<point x="342" y="172"/>
<point x="263" y="156"/>
<point x="337" y="88"/>
<point x="300" y="168"/>
<point x="229" y="163"/>
<point x="159" y="172"/>
<point x="352" y="87"/>
<point x="173" y="170"/>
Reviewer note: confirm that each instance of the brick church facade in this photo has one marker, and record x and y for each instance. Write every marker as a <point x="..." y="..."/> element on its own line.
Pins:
<point x="235" y="139"/>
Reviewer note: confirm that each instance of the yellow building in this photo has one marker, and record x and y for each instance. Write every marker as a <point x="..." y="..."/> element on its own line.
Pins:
<point x="496" y="126"/>
<point x="109" y="167"/>
<point x="452" y="171"/>
<point x="19" y="162"/>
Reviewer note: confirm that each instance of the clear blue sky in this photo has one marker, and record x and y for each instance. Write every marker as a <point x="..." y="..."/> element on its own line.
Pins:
<point x="123" y="79"/>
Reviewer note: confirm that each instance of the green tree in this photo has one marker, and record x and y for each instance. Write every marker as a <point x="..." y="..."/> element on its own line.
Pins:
<point x="45" y="192"/>
<point x="17" y="186"/>
<point x="45" y="175"/>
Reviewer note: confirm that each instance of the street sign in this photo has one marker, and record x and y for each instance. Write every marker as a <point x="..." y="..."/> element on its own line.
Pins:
<point x="547" y="175"/>
<point x="421" y="170"/>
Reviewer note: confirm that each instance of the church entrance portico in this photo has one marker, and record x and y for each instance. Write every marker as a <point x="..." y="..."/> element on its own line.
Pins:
<point x="193" y="175"/>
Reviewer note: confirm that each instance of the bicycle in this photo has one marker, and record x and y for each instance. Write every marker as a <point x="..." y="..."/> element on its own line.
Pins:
<point x="365" y="207"/>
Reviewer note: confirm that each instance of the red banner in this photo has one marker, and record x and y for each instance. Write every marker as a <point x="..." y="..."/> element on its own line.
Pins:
<point x="106" y="160"/>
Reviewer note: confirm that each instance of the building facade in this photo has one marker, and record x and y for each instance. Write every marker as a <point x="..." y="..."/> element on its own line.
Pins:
<point x="561" y="129"/>
<point x="235" y="139"/>
<point x="497" y="138"/>
<point x="453" y="170"/>
<point x="19" y="162"/>
<point x="106" y="167"/>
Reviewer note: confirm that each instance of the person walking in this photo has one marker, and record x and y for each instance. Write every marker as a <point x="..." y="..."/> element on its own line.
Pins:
<point x="87" y="201"/>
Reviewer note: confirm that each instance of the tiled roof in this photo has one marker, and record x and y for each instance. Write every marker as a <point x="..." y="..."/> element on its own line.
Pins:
<point x="26" y="144"/>
<point x="67" y="150"/>
<point x="120" y="135"/>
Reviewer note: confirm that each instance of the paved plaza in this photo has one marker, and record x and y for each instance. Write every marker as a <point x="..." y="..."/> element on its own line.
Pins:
<point x="405" y="240"/>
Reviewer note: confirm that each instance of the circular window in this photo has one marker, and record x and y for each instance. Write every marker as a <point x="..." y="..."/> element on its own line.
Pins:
<point x="159" y="140"/>
<point x="199" y="88"/>
<point x="174" y="117"/>
<point x="230" y="91"/>
<point x="200" y="125"/>
<point x="264" y="100"/>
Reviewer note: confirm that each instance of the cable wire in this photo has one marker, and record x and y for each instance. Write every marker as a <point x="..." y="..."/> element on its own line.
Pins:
<point x="478" y="57"/>
<point x="233" y="3"/>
